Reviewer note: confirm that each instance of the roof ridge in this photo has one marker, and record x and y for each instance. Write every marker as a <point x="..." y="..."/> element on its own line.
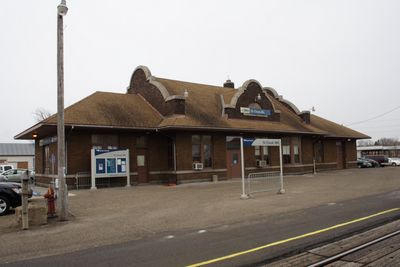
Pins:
<point x="203" y="84"/>
<point x="47" y="120"/>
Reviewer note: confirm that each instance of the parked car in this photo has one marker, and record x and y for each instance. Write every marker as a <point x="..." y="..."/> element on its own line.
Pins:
<point x="367" y="163"/>
<point x="394" y="161"/>
<point x="374" y="163"/>
<point x="10" y="196"/>
<point x="5" y="167"/>
<point x="381" y="159"/>
<point x="14" y="175"/>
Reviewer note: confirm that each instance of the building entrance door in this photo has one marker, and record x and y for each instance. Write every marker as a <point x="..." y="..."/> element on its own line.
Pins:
<point x="339" y="155"/>
<point x="233" y="159"/>
<point x="141" y="161"/>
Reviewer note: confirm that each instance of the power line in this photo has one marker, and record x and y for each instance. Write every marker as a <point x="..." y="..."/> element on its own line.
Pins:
<point x="373" y="118"/>
<point x="380" y="126"/>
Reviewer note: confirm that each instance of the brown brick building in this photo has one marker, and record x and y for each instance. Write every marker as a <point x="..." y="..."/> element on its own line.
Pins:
<point x="173" y="124"/>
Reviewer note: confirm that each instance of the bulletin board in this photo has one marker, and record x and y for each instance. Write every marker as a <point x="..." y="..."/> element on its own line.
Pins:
<point x="108" y="163"/>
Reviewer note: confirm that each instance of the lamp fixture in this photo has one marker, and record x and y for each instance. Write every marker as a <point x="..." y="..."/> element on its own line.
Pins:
<point x="258" y="98"/>
<point x="62" y="8"/>
<point x="186" y="93"/>
<point x="34" y="135"/>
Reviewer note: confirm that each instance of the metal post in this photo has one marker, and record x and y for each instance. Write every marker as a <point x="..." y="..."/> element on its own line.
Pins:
<point x="24" y="215"/>
<point x="244" y="195"/>
<point x="281" y="190"/>
<point x="61" y="11"/>
<point x="127" y="169"/>
<point x="315" y="167"/>
<point x="93" y="175"/>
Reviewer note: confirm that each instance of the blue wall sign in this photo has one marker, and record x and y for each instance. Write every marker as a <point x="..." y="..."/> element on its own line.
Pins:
<point x="255" y="112"/>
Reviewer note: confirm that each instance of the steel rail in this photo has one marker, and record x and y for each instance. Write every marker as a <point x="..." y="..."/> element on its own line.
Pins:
<point x="350" y="251"/>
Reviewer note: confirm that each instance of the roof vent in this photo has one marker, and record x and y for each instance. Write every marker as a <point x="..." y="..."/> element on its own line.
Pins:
<point x="229" y="84"/>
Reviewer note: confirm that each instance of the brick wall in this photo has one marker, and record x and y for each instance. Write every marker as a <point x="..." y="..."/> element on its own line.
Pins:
<point x="38" y="158"/>
<point x="79" y="144"/>
<point x="329" y="150"/>
<point x="248" y="97"/>
<point x="128" y="141"/>
<point x="140" y="85"/>
<point x="307" y="150"/>
<point x="351" y="154"/>
<point x="274" y="151"/>
<point x="351" y="150"/>
<point x="219" y="151"/>
<point x="158" y="153"/>
<point x="183" y="151"/>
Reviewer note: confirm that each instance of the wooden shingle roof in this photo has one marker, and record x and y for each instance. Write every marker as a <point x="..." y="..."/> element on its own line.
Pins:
<point x="111" y="109"/>
<point x="204" y="109"/>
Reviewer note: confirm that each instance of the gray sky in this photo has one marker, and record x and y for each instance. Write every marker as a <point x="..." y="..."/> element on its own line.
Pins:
<point x="341" y="56"/>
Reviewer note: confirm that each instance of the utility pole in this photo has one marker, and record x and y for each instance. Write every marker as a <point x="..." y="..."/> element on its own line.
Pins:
<point x="62" y="10"/>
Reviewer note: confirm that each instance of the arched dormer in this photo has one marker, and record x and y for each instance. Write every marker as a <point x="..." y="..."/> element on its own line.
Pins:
<point x="251" y="102"/>
<point x="146" y="85"/>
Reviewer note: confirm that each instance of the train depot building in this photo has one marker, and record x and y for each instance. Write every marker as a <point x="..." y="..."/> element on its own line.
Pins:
<point x="180" y="132"/>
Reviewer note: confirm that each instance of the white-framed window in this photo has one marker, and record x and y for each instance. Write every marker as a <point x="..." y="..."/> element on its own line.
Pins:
<point x="202" y="149"/>
<point x="291" y="150"/>
<point x="262" y="153"/>
<point x="104" y="141"/>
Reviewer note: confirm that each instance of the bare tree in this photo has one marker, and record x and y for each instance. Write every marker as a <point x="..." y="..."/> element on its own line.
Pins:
<point x="367" y="142"/>
<point x="387" y="142"/>
<point x="41" y="114"/>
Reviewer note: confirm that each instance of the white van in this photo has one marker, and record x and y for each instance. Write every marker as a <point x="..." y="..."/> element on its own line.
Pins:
<point x="5" y="167"/>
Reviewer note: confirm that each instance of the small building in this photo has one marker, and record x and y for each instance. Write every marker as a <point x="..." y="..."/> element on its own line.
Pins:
<point x="179" y="132"/>
<point x="19" y="155"/>
<point x="389" y="151"/>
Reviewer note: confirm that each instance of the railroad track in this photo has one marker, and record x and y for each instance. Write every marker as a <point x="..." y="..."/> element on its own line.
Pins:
<point x="376" y="247"/>
<point x="339" y="257"/>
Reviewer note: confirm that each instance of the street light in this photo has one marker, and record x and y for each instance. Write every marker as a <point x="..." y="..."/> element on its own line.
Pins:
<point x="62" y="10"/>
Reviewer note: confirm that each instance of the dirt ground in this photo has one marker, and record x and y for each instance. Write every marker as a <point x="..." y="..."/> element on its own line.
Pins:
<point x="114" y="215"/>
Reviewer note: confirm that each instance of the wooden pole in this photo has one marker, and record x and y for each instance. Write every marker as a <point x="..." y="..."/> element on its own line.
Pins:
<point x="24" y="195"/>
<point x="62" y="208"/>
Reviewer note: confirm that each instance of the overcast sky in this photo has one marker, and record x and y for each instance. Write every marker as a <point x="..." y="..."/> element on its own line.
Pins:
<point x="342" y="57"/>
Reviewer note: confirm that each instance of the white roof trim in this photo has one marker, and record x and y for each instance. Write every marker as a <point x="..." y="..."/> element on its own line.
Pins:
<point x="153" y="80"/>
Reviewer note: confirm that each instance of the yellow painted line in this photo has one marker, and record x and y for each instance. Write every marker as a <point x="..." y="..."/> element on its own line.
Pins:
<point x="291" y="239"/>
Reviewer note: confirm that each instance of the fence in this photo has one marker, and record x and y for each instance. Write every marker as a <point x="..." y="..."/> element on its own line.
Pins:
<point x="82" y="180"/>
<point x="264" y="182"/>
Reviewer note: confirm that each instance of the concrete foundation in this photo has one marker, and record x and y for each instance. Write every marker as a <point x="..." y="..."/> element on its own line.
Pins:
<point x="37" y="213"/>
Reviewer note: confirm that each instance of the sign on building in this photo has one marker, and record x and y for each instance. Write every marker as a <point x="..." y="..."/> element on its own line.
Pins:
<point x="261" y="142"/>
<point x="255" y="112"/>
<point x="107" y="163"/>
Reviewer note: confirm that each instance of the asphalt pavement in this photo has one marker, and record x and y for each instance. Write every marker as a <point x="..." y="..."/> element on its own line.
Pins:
<point x="186" y="224"/>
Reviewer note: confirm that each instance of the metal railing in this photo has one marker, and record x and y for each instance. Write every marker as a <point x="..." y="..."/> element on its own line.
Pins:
<point x="82" y="180"/>
<point x="264" y="182"/>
